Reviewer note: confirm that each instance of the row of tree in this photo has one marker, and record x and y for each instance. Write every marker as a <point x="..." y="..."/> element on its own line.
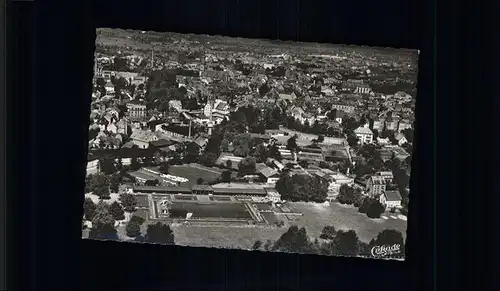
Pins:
<point x="334" y="242"/>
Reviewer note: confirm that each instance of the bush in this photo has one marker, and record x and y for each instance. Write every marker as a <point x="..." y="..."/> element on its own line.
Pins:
<point x="393" y="210"/>
<point x="133" y="228"/>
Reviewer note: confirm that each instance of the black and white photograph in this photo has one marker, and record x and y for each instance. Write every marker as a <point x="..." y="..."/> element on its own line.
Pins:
<point x="250" y="144"/>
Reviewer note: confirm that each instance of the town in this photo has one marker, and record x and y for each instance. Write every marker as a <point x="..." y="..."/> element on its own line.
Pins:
<point x="212" y="141"/>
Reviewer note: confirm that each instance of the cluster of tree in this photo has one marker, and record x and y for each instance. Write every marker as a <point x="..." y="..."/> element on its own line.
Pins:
<point x="98" y="184"/>
<point x="302" y="188"/>
<point x="103" y="222"/>
<point x="247" y="166"/>
<point x="350" y="196"/>
<point x="372" y="207"/>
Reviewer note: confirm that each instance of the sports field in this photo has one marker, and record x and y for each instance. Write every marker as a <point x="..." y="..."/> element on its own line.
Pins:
<point x="219" y="210"/>
<point x="193" y="172"/>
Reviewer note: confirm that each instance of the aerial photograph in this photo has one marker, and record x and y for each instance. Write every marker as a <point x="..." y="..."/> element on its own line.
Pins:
<point x="250" y="144"/>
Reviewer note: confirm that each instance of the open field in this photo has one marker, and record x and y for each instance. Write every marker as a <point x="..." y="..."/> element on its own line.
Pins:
<point x="144" y="213"/>
<point x="193" y="172"/>
<point x="223" y="237"/>
<point x="222" y="210"/>
<point x="316" y="216"/>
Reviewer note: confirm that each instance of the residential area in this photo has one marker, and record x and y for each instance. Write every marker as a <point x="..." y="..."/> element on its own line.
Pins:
<point x="213" y="141"/>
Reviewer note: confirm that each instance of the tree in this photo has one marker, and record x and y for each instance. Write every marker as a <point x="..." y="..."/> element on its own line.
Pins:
<point x="133" y="229"/>
<point x="95" y="181"/>
<point x="117" y="211"/>
<point x="128" y="202"/>
<point x="164" y="167"/>
<point x="346" y="195"/>
<point x="274" y="152"/>
<point x="102" y="192"/>
<point x="100" y="82"/>
<point x="328" y="232"/>
<point x="247" y="166"/>
<point x="268" y="245"/>
<point x="291" y="144"/>
<point x="390" y="238"/>
<point x="208" y="159"/>
<point x="302" y="188"/>
<point x="160" y="233"/>
<point x="242" y="144"/>
<point x="229" y="164"/>
<point x="134" y="164"/>
<point x="375" y="209"/>
<point x="352" y="140"/>
<point x="346" y="243"/>
<point x="226" y="177"/>
<point x="261" y="153"/>
<point x="103" y="223"/>
<point x="304" y="164"/>
<point x="89" y="209"/>
<point x="294" y="240"/>
<point x="321" y="138"/>
<point x="192" y="153"/>
<point x="107" y="166"/>
<point x="404" y="204"/>
<point x="114" y="182"/>
<point x="225" y="145"/>
<point x="257" y="245"/>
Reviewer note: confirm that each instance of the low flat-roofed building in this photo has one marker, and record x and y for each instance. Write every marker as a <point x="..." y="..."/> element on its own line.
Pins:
<point x="162" y="190"/>
<point x="202" y="189"/>
<point x="240" y="189"/>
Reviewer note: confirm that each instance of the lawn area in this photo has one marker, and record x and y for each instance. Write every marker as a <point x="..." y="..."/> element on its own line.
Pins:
<point x="142" y="200"/>
<point x="316" y="216"/>
<point x="192" y="173"/>
<point x="225" y="210"/>
<point x="223" y="237"/>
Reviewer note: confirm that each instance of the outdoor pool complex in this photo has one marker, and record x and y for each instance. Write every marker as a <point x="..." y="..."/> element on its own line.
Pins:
<point x="207" y="210"/>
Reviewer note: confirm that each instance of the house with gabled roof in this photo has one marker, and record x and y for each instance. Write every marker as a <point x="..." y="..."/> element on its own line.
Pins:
<point x="391" y="199"/>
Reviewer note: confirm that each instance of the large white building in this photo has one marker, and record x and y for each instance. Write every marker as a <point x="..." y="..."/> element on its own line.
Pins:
<point x="364" y="134"/>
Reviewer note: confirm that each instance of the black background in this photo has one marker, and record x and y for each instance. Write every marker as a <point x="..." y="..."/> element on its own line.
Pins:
<point x="50" y="59"/>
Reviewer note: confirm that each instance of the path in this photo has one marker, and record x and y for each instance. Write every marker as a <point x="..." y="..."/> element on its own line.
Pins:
<point x="204" y="168"/>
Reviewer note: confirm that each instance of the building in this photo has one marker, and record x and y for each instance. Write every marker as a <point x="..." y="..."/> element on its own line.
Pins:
<point x="161" y="190"/>
<point x="387" y="175"/>
<point x="136" y="111"/>
<point x="92" y="166"/>
<point x="391" y="199"/>
<point x="142" y="138"/>
<point x="343" y="107"/>
<point x="400" y="138"/>
<point x="239" y="189"/>
<point x="404" y="124"/>
<point x="379" y="124"/>
<point x="110" y="88"/>
<point x="335" y="180"/>
<point x="362" y="89"/>
<point x="273" y="195"/>
<point x="269" y="175"/>
<point x="202" y="189"/>
<point x="376" y="185"/>
<point x="364" y="134"/>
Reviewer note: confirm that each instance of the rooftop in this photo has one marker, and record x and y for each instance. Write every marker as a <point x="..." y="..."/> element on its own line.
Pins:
<point x="363" y="130"/>
<point x="392" y="195"/>
<point x="161" y="189"/>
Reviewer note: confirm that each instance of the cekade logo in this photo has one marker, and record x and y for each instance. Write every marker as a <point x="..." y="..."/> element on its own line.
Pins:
<point x="386" y="250"/>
